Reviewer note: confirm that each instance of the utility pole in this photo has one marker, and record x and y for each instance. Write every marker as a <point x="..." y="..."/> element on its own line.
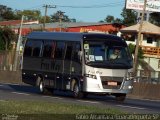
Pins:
<point x="139" y="38"/>
<point x="18" y="45"/>
<point x="20" y="34"/>
<point x="45" y="14"/>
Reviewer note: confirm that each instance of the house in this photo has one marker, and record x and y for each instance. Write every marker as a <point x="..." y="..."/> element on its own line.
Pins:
<point x="150" y="44"/>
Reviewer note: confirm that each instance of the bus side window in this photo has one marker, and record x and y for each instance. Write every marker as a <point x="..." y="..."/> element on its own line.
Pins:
<point x="33" y="48"/>
<point x="28" y="48"/>
<point x="59" y="51"/>
<point x="69" y="49"/>
<point x="48" y="49"/>
<point x="37" y="46"/>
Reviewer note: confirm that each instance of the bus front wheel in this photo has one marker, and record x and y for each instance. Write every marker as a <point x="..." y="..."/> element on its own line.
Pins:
<point x="76" y="91"/>
<point x="120" y="97"/>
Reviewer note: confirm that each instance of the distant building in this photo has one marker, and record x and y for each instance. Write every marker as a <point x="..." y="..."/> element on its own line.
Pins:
<point x="150" y="44"/>
<point x="71" y="27"/>
<point x="150" y="38"/>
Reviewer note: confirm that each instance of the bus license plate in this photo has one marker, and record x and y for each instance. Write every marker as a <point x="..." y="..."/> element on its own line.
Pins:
<point x="112" y="83"/>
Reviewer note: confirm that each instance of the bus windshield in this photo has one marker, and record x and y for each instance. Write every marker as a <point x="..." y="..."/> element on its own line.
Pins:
<point x="107" y="54"/>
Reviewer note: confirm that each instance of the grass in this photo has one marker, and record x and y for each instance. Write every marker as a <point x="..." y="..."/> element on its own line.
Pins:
<point x="43" y="110"/>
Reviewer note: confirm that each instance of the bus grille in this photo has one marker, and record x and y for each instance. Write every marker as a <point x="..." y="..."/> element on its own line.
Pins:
<point x="111" y="82"/>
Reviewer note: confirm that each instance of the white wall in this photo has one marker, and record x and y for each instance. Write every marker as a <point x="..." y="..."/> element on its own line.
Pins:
<point x="153" y="62"/>
<point x="155" y="43"/>
<point x="158" y="43"/>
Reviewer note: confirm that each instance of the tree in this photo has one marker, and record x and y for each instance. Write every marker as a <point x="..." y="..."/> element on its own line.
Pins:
<point x="6" y="36"/>
<point x="29" y="14"/>
<point x="60" y="15"/>
<point x="6" y="13"/>
<point x="73" y="20"/>
<point x="109" y="19"/>
<point x="132" y="51"/>
<point x="118" y="20"/>
<point x="129" y="17"/>
<point x="154" y="18"/>
<point x="48" y="19"/>
<point x="101" y="21"/>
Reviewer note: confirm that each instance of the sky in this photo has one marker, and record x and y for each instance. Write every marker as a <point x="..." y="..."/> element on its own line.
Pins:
<point x="81" y="10"/>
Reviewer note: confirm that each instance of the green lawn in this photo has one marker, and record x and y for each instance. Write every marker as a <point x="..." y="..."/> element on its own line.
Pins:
<point x="50" y="110"/>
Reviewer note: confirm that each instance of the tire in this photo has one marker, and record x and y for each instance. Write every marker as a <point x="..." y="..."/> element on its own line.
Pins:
<point x="76" y="91"/>
<point x="120" y="97"/>
<point x="85" y="95"/>
<point x="44" y="90"/>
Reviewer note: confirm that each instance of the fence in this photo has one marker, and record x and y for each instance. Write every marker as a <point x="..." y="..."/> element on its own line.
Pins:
<point x="10" y="60"/>
<point x="144" y="76"/>
<point x="151" y="51"/>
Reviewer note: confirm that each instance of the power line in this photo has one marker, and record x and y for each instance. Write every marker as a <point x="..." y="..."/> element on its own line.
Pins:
<point x="94" y="6"/>
<point x="89" y="6"/>
<point x="34" y="7"/>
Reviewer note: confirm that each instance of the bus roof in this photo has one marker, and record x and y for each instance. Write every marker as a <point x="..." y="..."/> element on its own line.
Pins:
<point x="70" y="36"/>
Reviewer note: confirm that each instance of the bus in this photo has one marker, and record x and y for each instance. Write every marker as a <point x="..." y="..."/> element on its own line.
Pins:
<point x="77" y="62"/>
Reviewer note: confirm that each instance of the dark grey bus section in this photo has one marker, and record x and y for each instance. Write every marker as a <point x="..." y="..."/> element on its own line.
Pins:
<point x="55" y="60"/>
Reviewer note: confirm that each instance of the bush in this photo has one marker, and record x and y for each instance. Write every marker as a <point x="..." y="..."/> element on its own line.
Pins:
<point x="132" y="50"/>
<point x="6" y="36"/>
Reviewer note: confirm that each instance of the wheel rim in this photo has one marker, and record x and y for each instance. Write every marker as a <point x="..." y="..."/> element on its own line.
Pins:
<point x="41" y="86"/>
<point x="76" y="90"/>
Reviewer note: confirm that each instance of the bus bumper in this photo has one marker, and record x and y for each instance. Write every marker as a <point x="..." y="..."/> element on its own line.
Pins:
<point x="126" y="87"/>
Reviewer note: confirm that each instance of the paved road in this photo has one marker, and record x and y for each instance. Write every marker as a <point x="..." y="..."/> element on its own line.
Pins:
<point x="25" y="92"/>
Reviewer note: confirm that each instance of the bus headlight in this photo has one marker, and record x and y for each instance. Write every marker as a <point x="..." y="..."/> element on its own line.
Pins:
<point x="91" y="76"/>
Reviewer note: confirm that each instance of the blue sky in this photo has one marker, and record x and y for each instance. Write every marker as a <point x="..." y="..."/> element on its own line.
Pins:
<point x="98" y="10"/>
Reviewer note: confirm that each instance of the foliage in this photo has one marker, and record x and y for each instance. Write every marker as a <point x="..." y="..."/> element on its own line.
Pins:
<point x="154" y="18"/>
<point x="132" y="50"/>
<point x="129" y="17"/>
<point x="140" y="53"/>
<point x="6" y="13"/>
<point x="48" y="19"/>
<point x="29" y="14"/>
<point x="111" y="19"/>
<point x="2" y="43"/>
<point x="6" y="36"/>
<point x="60" y="15"/>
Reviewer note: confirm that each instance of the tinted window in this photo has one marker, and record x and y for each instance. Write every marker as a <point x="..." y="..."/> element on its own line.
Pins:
<point x="28" y="48"/>
<point x="59" y="51"/>
<point x="32" y="48"/>
<point x="37" y="48"/>
<point x="69" y="51"/>
<point x="48" y="49"/>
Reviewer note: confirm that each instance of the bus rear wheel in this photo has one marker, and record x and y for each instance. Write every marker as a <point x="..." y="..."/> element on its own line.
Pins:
<point x="44" y="90"/>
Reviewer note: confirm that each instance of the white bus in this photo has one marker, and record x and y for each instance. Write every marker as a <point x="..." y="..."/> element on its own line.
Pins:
<point x="78" y="62"/>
